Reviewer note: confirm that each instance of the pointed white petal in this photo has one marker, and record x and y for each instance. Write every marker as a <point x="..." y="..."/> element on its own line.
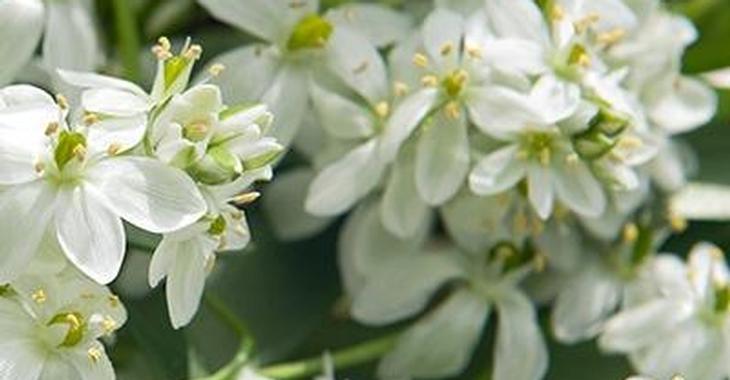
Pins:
<point x="91" y="236"/>
<point x="576" y="186"/>
<point x="93" y="80"/>
<point x="518" y="19"/>
<point x="287" y="98"/>
<point x="113" y="102"/>
<point x="405" y="118"/>
<point x="682" y="104"/>
<point x="520" y="353"/>
<point x="380" y="24"/>
<point x="702" y="201"/>
<point x="404" y="286"/>
<point x="147" y="193"/>
<point x="442" y="158"/>
<point x="257" y="64"/>
<point x="262" y="18"/>
<point x="341" y="117"/>
<point x="21" y="25"/>
<point x="501" y="112"/>
<point x="70" y="41"/>
<point x="497" y="172"/>
<point x="341" y="184"/>
<point x="402" y="210"/>
<point x="186" y="279"/>
<point x="540" y="189"/>
<point x="440" y="345"/>
<point x="555" y="98"/>
<point x="443" y="28"/>
<point x="23" y="95"/>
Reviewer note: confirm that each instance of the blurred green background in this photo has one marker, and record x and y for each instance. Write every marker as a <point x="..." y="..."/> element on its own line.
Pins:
<point x="288" y="293"/>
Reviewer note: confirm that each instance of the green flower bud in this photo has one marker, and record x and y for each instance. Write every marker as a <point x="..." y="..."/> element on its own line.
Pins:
<point x="311" y="32"/>
<point x="70" y="145"/>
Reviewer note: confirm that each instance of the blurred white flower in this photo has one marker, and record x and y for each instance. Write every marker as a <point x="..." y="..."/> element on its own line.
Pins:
<point x="682" y="327"/>
<point x="70" y="40"/>
<point x="80" y="187"/>
<point x="51" y="324"/>
<point x="440" y="343"/>
<point x="299" y="42"/>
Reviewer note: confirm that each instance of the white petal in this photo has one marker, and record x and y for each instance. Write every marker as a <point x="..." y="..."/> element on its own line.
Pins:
<point x="540" y="189"/>
<point x="186" y="279"/>
<point x="147" y="193"/>
<point x="520" y="353"/>
<point x="18" y="156"/>
<point x="555" y="98"/>
<point x="70" y="41"/>
<point x="382" y="25"/>
<point x="509" y="54"/>
<point x="341" y="184"/>
<point x="284" y="206"/>
<point x="249" y="71"/>
<point x="356" y="61"/>
<point x="341" y="117"/>
<point x="440" y="345"/>
<point x="402" y="210"/>
<point x="23" y="95"/>
<point x="584" y="305"/>
<point x="405" y="118"/>
<point x="476" y="223"/>
<point x="93" y="80"/>
<point x="89" y="369"/>
<point x="518" y="19"/>
<point x="443" y="28"/>
<point x="365" y="246"/>
<point x="28" y="210"/>
<point x="718" y="78"/>
<point x="637" y="327"/>
<point x="91" y="236"/>
<point x="682" y="104"/>
<point x="287" y="100"/>
<point x="442" y="158"/>
<point x="262" y="18"/>
<point x="124" y="133"/>
<point x="497" y="172"/>
<point x="21" y="25"/>
<point x="501" y="112"/>
<point x="404" y="286"/>
<point x="576" y="186"/>
<point x="113" y="102"/>
<point x="702" y="201"/>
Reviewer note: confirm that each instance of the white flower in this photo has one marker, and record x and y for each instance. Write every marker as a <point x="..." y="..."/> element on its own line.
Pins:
<point x="299" y="41"/>
<point x="77" y="186"/>
<point x="51" y="323"/>
<point x="682" y="327"/>
<point x="69" y="38"/>
<point x="440" y="343"/>
<point x="185" y="257"/>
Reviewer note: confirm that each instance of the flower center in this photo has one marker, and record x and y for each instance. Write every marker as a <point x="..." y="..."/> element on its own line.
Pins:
<point x="196" y="131"/>
<point x="76" y="325"/>
<point x="71" y="145"/>
<point x="538" y="146"/>
<point x="311" y="32"/>
<point x="455" y="82"/>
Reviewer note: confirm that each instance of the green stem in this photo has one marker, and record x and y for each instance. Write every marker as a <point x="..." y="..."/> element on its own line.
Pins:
<point x="127" y="38"/>
<point x="348" y="357"/>
<point x="696" y="9"/>
<point x="231" y="319"/>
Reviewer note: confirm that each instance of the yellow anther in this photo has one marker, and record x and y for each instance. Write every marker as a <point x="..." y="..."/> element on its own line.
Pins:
<point x="453" y="110"/>
<point x="611" y="37"/>
<point x="583" y="24"/>
<point x="429" y="81"/>
<point x="62" y="101"/>
<point x="193" y="52"/>
<point x="717" y="254"/>
<point x="237" y="214"/>
<point x="240" y="230"/>
<point x="630" y="233"/>
<point x="162" y="49"/>
<point x="359" y="69"/>
<point x="94" y="354"/>
<point x="90" y="119"/>
<point x="522" y="154"/>
<point x="39" y="167"/>
<point x="584" y="60"/>
<point x="294" y="4"/>
<point x="382" y="109"/>
<point x="39" y="296"/>
<point x="246" y="198"/>
<point x="504" y="252"/>
<point x="420" y="60"/>
<point x="473" y="50"/>
<point x="52" y="128"/>
<point x="677" y="222"/>
<point x="216" y="69"/>
<point x="79" y="151"/>
<point x="350" y="14"/>
<point x="447" y="48"/>
<point x="400" y="88"/>
<point x="572" y="159"/>
<point x="557" y="13"/>
<point x="113" y="301"/>
<point x="108" y="324"/>
<point x="210" y="260"/>
<point x="113" y="149"/>
<point x="630" y="142"/>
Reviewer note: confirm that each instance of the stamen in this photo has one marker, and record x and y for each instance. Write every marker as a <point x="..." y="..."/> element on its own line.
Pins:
<point x="90" y="118"/>
<point x="361" y="67"/>
<point x="216" y="69"/>
<point x="611" y="37"/>
<point x="429" y="81"/>
<point x="162" y="49"/>
<point x="108" y="324"/>
<point x="39" y="167"/>
<point x="400" y="88"/>
<point x="79" y="151"/>
<point x="113" y="301"/>
<point x="473" y="50"/>
<point x="193" y="52"/>
<point x="114" y="149"/>
<point x="420" y="60"/>
<point x="557" y="13"/>
<point x="39" y="296"/>
<point x="382" y="109"/>
<point x="572" y="159"/>
<point x="447" y="48"/>
<point x="453" y="110"/>
<point x="94" y="354"/>
<point x="583" y="24"/>
<point x="62" y="101"/>
<point x="245" y="198"/>
<point x="52" y="128"/>
<point x="630" y="233"/>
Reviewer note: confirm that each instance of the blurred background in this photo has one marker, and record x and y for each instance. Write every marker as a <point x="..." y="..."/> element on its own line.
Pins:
<point x="288" y="293"/>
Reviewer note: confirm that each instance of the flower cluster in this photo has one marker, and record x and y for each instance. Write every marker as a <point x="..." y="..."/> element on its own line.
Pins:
<point x="490" y="158"/>
<point x="175" y="161"/>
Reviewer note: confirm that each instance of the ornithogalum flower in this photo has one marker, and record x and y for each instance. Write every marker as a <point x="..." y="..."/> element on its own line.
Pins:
<point x="79" y="186"/>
